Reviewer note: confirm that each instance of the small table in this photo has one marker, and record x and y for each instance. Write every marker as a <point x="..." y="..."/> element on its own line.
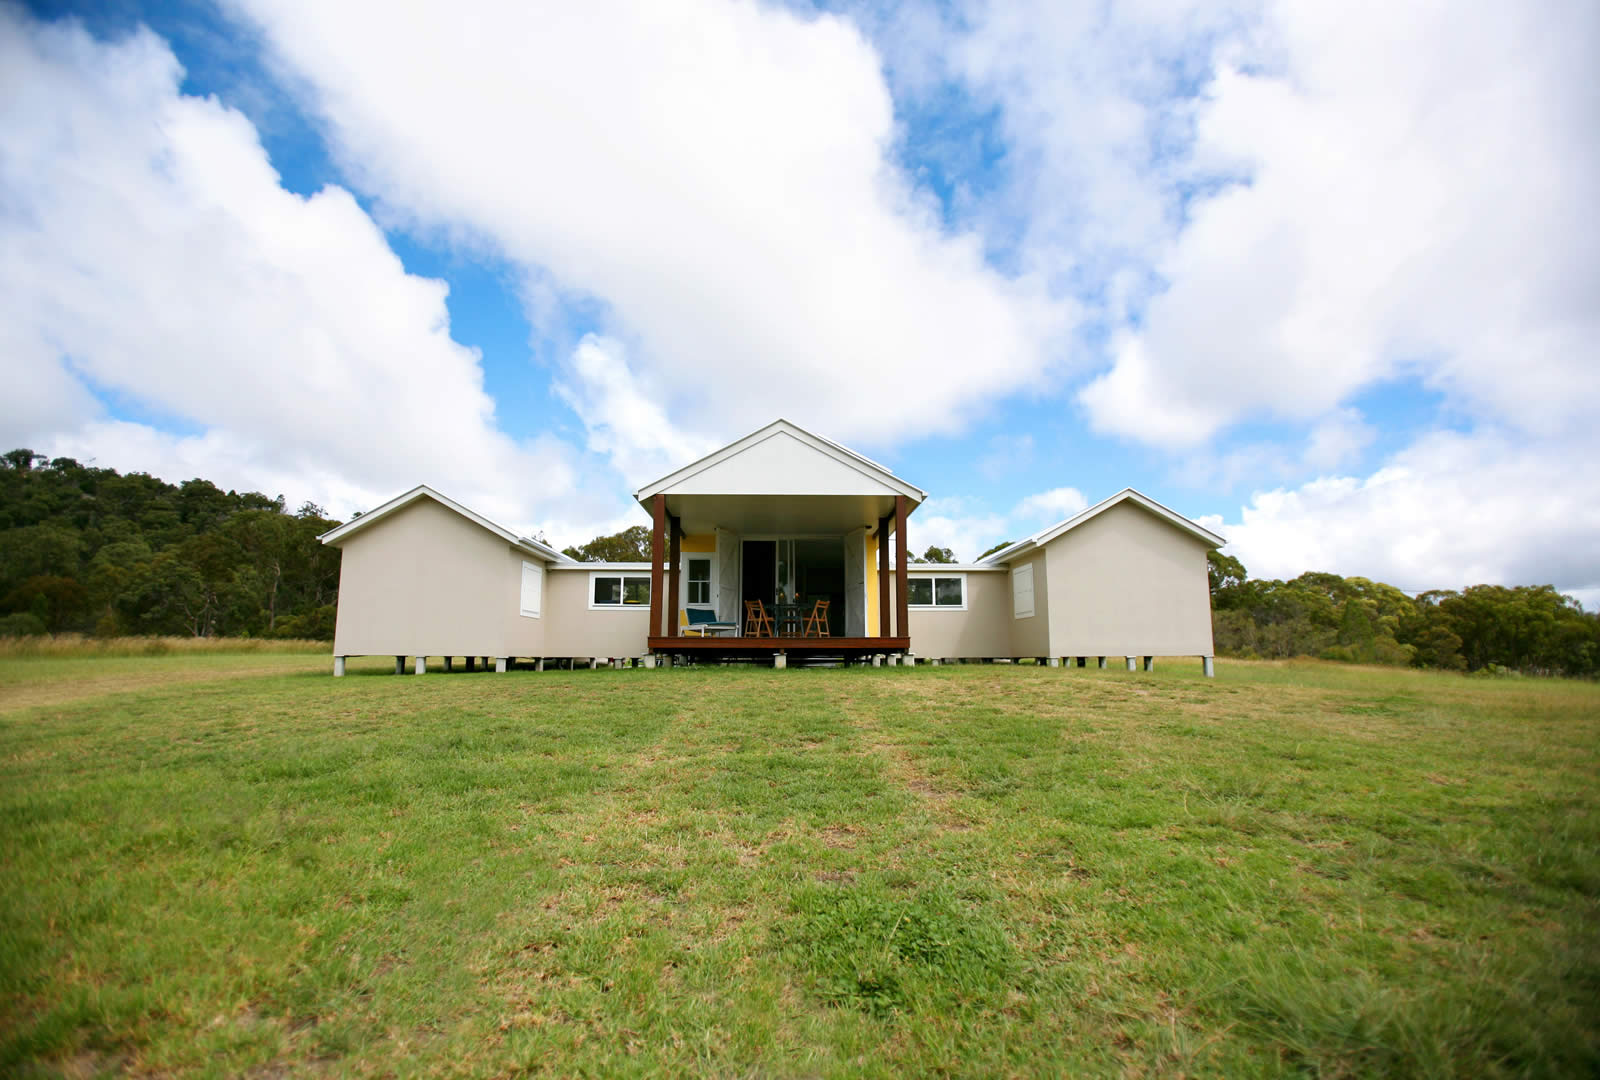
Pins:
<point x="787" y="619"/>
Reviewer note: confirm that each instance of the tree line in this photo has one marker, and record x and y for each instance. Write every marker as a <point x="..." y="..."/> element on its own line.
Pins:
<point x="93" y="551"/>
<point x="1527" y="628"/>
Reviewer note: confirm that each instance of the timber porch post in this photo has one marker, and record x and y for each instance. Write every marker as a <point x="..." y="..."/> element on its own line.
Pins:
<point x="883" y="577"/>
<point x="902" y="628"/>
<point x="658" y="523"/>
<point x="674" y="557"/>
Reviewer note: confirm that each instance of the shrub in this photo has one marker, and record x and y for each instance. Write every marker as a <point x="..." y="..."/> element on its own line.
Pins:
<point x="315" y="625"/>
<point x="1496" y="671"/>
<point x="21" y="624"/>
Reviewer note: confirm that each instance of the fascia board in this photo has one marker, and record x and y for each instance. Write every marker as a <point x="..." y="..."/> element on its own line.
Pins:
<point x="951" y="568"/>
<point x="628" y="567"/>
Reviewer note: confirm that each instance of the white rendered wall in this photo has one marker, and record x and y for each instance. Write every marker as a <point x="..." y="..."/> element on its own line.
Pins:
<point x="524" y="636"/>
<point x="1126" y="583"/>
<point x="982" y="630"/>
<point x="424" y="581"/>
<point x="1030" y="636"/>
<point x="574" y="629"/>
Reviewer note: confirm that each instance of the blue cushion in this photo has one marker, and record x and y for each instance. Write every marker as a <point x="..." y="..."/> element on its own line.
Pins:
<point x="699" y="616"/>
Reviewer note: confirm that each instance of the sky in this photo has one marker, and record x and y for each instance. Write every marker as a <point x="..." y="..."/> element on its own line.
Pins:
<point x="1324" y="278"/>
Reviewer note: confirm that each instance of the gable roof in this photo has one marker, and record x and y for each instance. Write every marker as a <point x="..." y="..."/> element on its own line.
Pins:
<point x="1044" y="536"/>
<point x="423" y="491"/>
<point x="863" y="468"/>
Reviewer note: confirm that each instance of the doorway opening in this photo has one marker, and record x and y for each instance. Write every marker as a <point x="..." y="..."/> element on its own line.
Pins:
<point x="796" y="571"/>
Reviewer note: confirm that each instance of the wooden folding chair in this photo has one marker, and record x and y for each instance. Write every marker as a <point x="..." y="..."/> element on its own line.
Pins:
<point x="757" y="623"/>
<point x="817" y="621"/>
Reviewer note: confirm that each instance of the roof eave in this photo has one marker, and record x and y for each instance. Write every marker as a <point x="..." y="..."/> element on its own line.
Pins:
<point x="1044" y="536"/>
<point x="1006" y="554"/>
<point x="527" y="544"/>
<point x="642" y="494"/>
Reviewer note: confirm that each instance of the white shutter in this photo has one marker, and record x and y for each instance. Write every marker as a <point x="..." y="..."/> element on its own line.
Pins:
<point x="727" y="594"/>
<point x="1022" y="592"/>
<point x="855" y="583"/>
<point x="532" y="589"/>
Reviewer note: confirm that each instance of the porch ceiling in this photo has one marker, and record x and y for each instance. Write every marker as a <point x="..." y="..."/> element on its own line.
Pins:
<point x="787" y="515"/>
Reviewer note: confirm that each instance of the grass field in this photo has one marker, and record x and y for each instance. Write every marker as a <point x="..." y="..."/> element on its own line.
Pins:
<point x="234" y="865"/>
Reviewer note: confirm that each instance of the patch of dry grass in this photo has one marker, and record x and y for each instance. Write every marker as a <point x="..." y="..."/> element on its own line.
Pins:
<point x="62" y="679"/>
<point x="74" y="646"/>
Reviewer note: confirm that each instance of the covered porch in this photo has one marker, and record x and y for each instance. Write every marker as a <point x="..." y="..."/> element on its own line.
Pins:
<point x="783" y="555"/>
<point x="782" y="539"/>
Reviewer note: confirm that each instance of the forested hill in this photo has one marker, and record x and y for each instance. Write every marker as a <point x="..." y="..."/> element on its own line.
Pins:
<point x="1527" y="628"/>
<point x="91" y="550"/>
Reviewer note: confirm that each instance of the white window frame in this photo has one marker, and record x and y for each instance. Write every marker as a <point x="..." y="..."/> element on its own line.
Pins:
<point x="1019" y="575"/>
<point x="710" y="557"/>
<point x="936" y="606"/>
<point x="621" y="576"/>
<point x="532" y="611"/>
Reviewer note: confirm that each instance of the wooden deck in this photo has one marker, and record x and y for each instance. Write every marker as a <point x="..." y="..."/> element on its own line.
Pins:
<point x="770" y="646"/>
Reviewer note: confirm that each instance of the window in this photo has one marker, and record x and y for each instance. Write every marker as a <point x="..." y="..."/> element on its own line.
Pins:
<point x="617" y="590"/>
<point x="532" y="589"/>
<point x="948" y="592"/>
<point x="1022" y="592"/>
<point x="699" y="581"/>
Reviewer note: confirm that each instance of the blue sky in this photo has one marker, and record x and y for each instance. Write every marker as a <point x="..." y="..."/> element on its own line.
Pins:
<point x="1319" y="282"/>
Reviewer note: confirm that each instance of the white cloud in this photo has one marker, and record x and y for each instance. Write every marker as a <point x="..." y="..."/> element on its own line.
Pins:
<point x="623" y="416"/>
<point x="149" y="256"/>
<point x="1335" y="441"/>
<point x="717" y="174"/>
<point x="1338" y="439"/>
<point x="965" y="536"/>
<point x="1095" y="107"/>
<point x="965" y="527"/>
<point x="1054" y="505"/>
<point x="954" y="522"/>
<point x="1450" y="511"/>
<point x="1420" y="179"/>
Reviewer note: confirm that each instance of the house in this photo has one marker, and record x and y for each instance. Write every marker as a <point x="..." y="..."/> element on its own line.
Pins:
<point x="781" y="512"/>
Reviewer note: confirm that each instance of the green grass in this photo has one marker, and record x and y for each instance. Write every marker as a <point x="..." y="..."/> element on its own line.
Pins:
<point x="216" y="866"/>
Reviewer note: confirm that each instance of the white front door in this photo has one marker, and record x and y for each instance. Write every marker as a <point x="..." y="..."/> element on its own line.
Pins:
<point x="855" y="583"/>
<point x="728" y="547"/>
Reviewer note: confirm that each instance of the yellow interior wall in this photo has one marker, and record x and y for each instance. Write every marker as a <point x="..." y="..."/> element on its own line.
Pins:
<point x="699" y="544"/>
<point x="872" y="585"/>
